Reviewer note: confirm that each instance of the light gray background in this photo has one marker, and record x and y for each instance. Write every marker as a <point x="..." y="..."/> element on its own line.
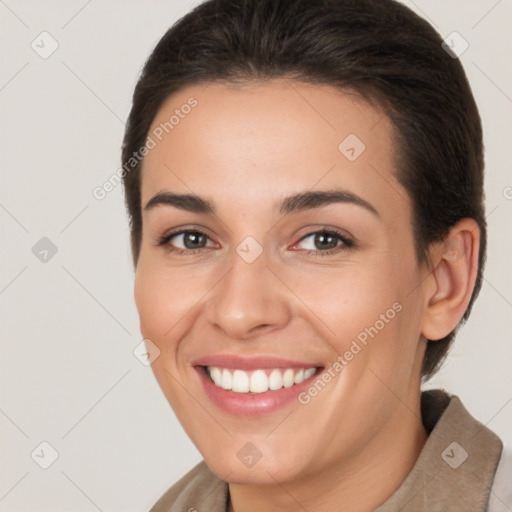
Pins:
<point x="69" y="326"/>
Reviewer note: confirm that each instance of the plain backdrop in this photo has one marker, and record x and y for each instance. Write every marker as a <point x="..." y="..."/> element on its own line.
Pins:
<point x="69" y="325"/>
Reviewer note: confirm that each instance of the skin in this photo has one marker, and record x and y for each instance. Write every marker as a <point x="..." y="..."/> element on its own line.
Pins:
<point x="245" y="149"/>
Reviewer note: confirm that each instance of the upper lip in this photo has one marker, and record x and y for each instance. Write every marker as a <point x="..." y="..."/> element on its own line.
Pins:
<point x="250" y="363"/>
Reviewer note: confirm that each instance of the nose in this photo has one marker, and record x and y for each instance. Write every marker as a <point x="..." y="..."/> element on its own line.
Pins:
<point x="249" y="300"/>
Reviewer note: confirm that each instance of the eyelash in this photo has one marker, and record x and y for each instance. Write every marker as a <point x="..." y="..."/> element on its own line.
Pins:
<point x="346" y="242"/>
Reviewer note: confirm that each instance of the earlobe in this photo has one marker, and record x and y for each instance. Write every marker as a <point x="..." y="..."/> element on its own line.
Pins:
<point x="452" y="279"/>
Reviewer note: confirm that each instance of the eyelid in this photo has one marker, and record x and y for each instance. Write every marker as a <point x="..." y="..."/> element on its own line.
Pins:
<point x="180" y="229"/>
<point x="347" y="239"/>
<point x="163" y="240"/>
<point x="325" y="228"/>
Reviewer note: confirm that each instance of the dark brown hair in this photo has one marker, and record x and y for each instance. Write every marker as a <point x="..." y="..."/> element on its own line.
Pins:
<point x="379" y="48"/>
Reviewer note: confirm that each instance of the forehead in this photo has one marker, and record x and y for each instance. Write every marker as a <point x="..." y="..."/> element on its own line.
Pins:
<point x="270" y="138"/>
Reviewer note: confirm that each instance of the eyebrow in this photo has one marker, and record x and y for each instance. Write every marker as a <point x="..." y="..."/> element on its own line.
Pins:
<point x="294" y="203"/>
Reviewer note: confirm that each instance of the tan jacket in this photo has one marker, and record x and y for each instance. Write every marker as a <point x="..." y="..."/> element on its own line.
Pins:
<point x="454" y="472"/>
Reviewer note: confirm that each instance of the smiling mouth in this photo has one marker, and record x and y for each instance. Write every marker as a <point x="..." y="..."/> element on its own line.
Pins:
<point x="259" y="380"/>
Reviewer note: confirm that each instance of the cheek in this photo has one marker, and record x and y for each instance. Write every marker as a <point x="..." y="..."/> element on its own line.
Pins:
<point x="169" y="300"/>
<point x="147" y="295"/>
<point x="162" y="301"/>
<point x="363" y="312"/>
<point x="346" y="300"/>
<point x="164" y="304"/>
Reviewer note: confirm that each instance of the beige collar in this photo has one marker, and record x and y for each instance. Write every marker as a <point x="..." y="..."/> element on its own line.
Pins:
<point x="456" y="467"/>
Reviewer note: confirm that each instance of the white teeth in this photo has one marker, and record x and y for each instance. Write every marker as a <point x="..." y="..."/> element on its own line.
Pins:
<point x="299" y="377"/>
<point x="275" y="380"/>
<point x="309" y="373"/>
<point x="258" y="381"/>
<point x="288" y="378"/>
<point x="240" y="381"/>
<point x="227" y="379"/>
<point x="216" y="375"/>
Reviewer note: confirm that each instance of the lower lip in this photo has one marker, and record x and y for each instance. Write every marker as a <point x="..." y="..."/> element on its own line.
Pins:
<point x="251" y="404"/>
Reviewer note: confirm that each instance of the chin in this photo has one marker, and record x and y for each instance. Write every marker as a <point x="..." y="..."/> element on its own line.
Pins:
<point x="240" y="469"/>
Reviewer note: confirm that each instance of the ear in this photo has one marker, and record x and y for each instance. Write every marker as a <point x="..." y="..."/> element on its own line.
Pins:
<point x="449" y="285"/>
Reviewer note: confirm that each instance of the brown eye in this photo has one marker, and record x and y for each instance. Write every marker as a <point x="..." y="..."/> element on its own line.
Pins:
<point x="185" y="241"/>
<point x="193" y="239"/>
<point x="325" y="242"/>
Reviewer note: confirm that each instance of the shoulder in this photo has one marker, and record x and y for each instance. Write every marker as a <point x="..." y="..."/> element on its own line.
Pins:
<point x="458" y="461"/>
<point x="199" y="489"/>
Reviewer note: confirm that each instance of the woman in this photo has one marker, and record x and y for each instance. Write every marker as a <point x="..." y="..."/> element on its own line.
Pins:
<point x="305" y="188"/>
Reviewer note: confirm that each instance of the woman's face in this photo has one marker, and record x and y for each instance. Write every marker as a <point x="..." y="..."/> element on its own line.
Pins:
<point x="288" y="286"/>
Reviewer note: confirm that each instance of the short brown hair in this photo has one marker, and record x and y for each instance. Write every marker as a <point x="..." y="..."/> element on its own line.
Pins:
<point x="379" y="48"/>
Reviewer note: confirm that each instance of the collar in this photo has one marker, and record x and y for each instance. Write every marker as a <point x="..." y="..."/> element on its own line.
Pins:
<point x="455" y="469"/>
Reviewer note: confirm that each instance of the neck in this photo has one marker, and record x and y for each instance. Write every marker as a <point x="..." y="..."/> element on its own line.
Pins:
<point x="362" y="483"/>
